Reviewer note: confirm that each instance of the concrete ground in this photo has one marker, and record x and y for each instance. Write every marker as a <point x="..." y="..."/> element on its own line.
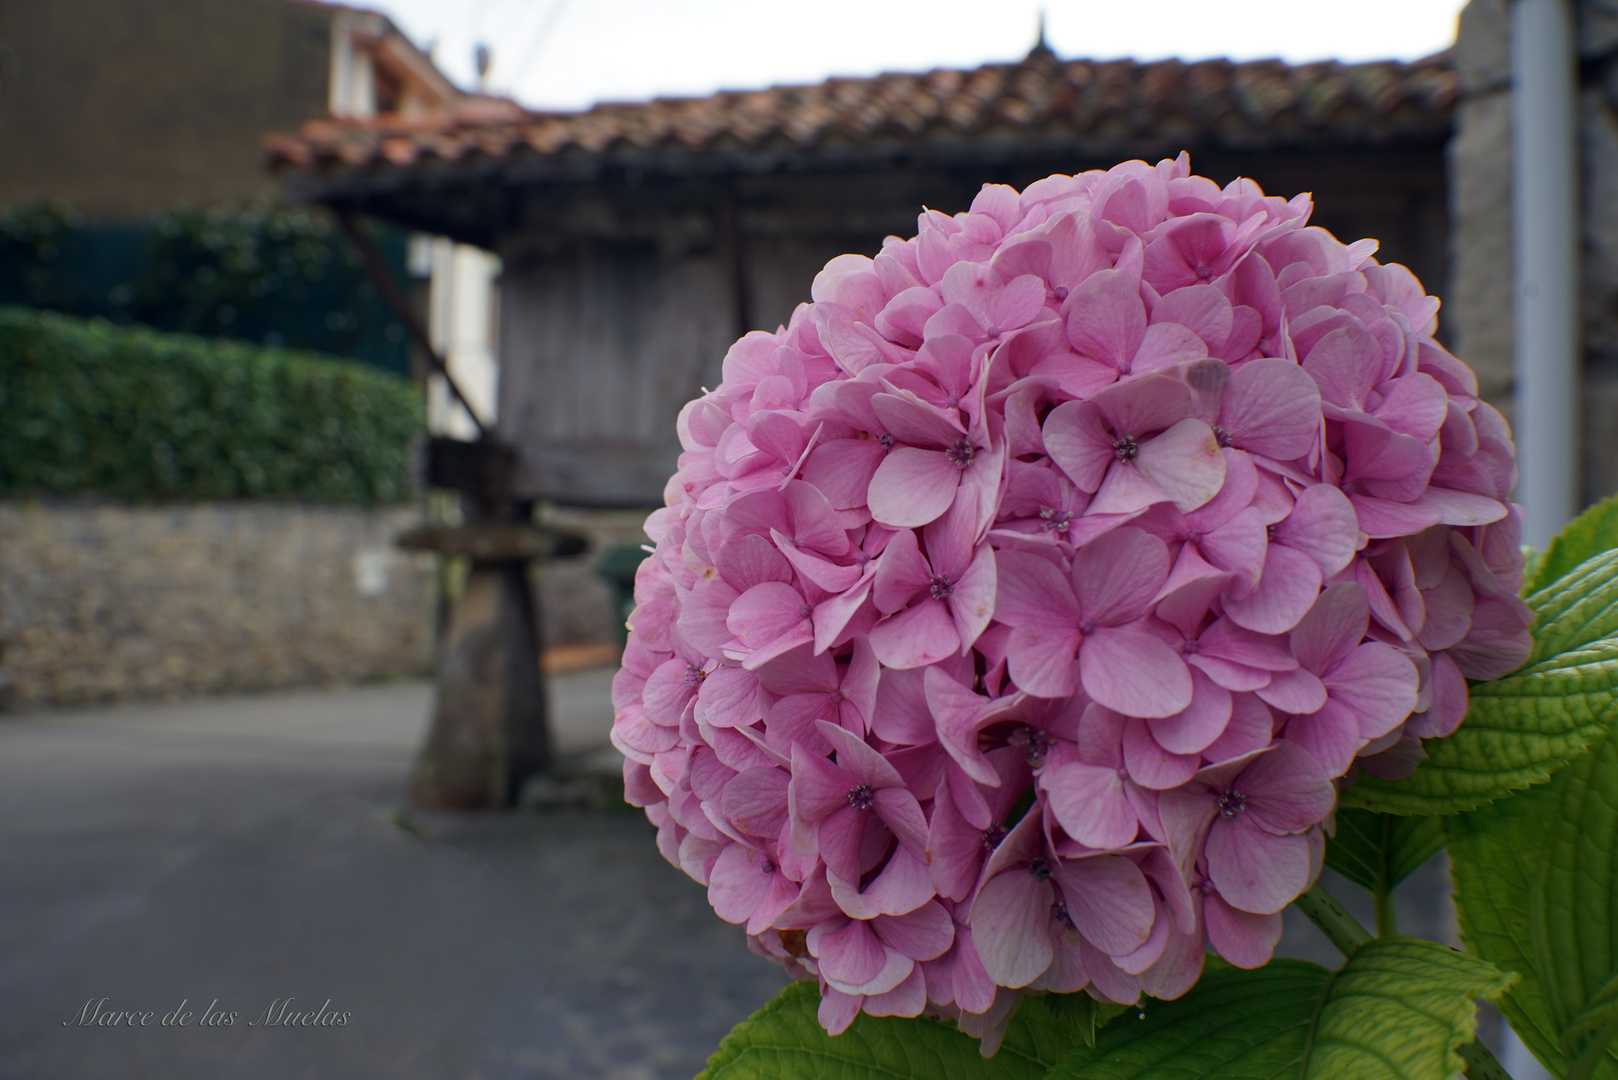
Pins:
<point x="230" y="854"/>
<point x="235" y="852"/>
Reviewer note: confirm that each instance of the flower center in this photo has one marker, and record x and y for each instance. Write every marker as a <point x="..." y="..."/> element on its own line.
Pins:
<point x="1054" y="519"/>
<point x="1204" y="272"/>
<point x="1124" y="446"/>
<point x="995" y="833"/>
<point x="959" y="453"/>
<point x="1059" y="913"/>
<point x="1041" y="869"/>
<point x="694" y="675"/>
<point x="1269" y="532"/>
<point x="1061" y="293"/>
<point x="1035" y="745"/>
<point x="1232" y="802"/>
<point x="940" y="586"/>
<point x="805" y="610"/>
<point x="1223" y="436"/>
<point x="992" y="330"/>
<point x="767" y="868"/>
<point x="860" y="797"/>
<point x="1087" y="626"/>
<point x="886" y="440"/>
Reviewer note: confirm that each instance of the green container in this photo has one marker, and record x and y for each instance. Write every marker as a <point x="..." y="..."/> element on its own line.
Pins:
<point x="617" y="568"/>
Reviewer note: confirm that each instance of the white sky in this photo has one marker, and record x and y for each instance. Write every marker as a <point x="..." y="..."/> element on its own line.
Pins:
<point x="569" y="54"/>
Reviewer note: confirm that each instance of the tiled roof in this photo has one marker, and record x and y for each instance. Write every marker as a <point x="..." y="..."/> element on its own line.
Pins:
<point x="1040" y="99"/>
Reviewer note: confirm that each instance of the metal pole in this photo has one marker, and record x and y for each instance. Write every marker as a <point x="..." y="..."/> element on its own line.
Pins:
<point x="1545" y="213"/>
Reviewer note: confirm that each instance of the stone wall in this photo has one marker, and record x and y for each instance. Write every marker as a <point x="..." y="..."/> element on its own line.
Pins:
<point x="103" y="602"/>
<point x="1477" y="317"/>
<point x="576" y="606"/>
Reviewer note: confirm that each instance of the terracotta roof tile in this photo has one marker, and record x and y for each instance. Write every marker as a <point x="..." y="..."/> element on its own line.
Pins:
<point x="1040" y="97"/>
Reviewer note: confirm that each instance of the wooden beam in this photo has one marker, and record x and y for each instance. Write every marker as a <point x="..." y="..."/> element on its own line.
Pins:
<point x="383" y="278"/>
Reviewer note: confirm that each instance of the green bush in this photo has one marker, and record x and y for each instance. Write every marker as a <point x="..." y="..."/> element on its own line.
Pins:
<point x="129" y="412"/>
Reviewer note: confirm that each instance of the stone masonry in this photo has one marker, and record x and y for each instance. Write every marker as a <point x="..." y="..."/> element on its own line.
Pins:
<point x="1477" y="318"/>
<point x="103" y="602"/>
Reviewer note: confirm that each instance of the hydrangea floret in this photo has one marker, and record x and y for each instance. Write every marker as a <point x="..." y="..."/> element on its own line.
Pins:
<point x="1018" y="610"/>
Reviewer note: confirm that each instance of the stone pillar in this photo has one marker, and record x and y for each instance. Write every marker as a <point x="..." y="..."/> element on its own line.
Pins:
<point x="489" y="729"/>
<point x="1477" y="317"/>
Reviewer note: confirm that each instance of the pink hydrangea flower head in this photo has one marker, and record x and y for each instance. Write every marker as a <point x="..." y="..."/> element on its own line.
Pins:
<point x="1018" y="609"/>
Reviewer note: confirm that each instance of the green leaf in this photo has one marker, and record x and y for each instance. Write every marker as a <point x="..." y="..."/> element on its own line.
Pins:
<point x="1378" y="851"/>
<point x="1501" y="857"/>
<point x="1522" y="728"/>
<point x="1396" y="1011"/>
<point x="1589" y="534"/>
<point x="784" y="1041"/>
<point x="1573" y="906"/>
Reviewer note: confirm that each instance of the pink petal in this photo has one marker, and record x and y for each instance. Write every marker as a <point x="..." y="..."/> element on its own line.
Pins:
<point x="1378" y="683"/>
<point x="1030" y="590"/>
<point x="912" y="487"/>
<point x="1117" y="575"/>
<point x="1253" y="870"/>
<point x="853" y="956"/>
<point x="1166" y="345"/>
<point x="901" y="573"/>
<point x="1332" y="736"/>
<point x="1106" y="320"/>
<point x="1380" y="518"/>
<point x="842" y="470"/>
<point x="732" y="697"/>
<point x="1345" y="364"/>
<point x="1150" y="765"/>
<point x="972" y="599"/>
<point x="862" y="763"/>
<point x="1040" y="660"/>
<point x="1134" y="673"/>
<point x="958" y="713"/>
<point x="1246" y="940"/>
<point x="1108" y="900"/>
<point x="1191" y="730"/>
<point x="1334" y="625"/>
<point x="737" y="883"/>
<point x="1250" y="728"/>
<point x="1184" y="463"/>
<point x="1271" y="407"/>
<point x="1298" y="691"/>
<point x="1143" y="405"/>
<point x="910" y="420"/>
<point x="756" y="800"/>
<point x="903" y="886"/>
<point x="921" y="634"/>
<point x="901" y="813"/>
<point x="1285" y="789"/>
<point x="1009" y="921"/>
<point x="907" y="999"/>
<point x="1077" y="440"/>
<point x="924" y="934"/>
<point x="1323" y="526"/>
<point x="1285" y="591"/>
<point x="1089" y="803"/>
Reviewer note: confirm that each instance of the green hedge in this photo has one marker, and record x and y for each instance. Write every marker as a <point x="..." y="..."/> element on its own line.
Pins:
<point x="129" y="412"/>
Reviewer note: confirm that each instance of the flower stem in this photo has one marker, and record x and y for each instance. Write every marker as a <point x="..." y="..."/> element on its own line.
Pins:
<point x="1341" y="929"/>
<point x="1480" y="1064"/>
<point x="1387" y="920"/>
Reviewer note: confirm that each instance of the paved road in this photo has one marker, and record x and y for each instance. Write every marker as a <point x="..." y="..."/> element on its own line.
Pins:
<point x="242" y="851"/>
